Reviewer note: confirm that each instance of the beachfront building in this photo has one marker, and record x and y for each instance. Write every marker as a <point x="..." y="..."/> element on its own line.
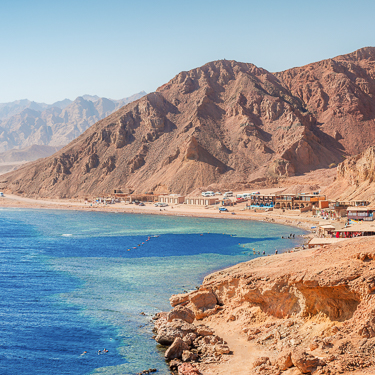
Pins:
<point x="361" y="213"/>
<point x="326" y="230"/>
<point x="138" y="197"/>
<point x="172" y="199"/>
<point x="341" y="207"/>
<point x="201" y="201"/>
<point x="356" y="230"/>
<point x="261" y="201"/>
<point x="298" y="201"/>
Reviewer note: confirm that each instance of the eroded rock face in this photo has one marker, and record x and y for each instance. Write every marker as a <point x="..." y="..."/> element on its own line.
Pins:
<point x="182" y="313"/>
<point x="314" y="310"/>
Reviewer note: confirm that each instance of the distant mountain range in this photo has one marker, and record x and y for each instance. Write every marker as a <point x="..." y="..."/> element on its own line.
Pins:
<point x="24" y="123"/>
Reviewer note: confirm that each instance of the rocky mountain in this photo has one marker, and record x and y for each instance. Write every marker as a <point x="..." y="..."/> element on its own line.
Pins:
<point x="339" y="93"/>
<point x="224" y="124"/>
<point x="26" y="123"/>
<point x="355" y="177"/>
<point x="8" y="110"/>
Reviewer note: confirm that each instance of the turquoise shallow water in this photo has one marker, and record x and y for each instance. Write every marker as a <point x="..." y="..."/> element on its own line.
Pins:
<point x="69" y="283"/>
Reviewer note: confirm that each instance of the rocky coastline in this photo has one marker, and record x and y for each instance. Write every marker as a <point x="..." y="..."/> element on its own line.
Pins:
<point x="310" y="312"/>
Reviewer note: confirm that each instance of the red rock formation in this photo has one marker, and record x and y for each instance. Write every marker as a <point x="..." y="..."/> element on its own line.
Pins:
<point x="226" y="122"/>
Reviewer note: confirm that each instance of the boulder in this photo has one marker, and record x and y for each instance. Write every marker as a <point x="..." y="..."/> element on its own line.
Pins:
<point x="204" y="331"/>
<point x="188" y="356"/>
<point x="188" y="369"/>
<point x="305" y="362"/>
<point x="174" y="363"/>
<point x="203" y="303"/>
<point x="284" y="360"/>
<point x="179" y="299"/>
<point x="181" y="312"/>
<point x="261" y="361"/>
<point x="167" y="333"/>
<point x="203" y="300"/>
<point x="222" y="349"/>
<point x="189" y="338"/>
<point x="176" y="349"/>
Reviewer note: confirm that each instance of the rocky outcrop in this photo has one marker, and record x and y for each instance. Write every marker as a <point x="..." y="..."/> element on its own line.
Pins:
<point x="188" y="343"/>
<point x="312" y="310"/>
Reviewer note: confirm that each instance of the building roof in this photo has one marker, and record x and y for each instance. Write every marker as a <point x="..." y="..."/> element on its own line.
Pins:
<point x="328" y="226"/>
<point x="361" y="208"/>
<point x="361" y="227"/>
<point x="325" y="241"/>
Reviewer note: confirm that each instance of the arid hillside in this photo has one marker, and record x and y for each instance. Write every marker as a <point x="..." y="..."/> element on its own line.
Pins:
<point x="225" y="123"/>
<point x="355" y="177"/>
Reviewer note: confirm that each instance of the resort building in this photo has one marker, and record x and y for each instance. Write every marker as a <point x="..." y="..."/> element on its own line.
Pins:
<point x="298" y="201"/>
<point x="201" y="201"/>
<point x="362" y="213"/>
<point x="172" y="199"/>
<point x="261" y="201"/>
<point x="341" y="207"/>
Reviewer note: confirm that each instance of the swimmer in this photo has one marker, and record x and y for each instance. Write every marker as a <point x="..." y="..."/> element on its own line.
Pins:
<point x="84" y="353"/>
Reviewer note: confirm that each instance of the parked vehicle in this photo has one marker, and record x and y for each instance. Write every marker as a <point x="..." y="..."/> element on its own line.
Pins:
<point x="141" y="204"/>
<point x="228" y="194"/>
<point x="223" y="209"/>
<point x="161" y="204"/>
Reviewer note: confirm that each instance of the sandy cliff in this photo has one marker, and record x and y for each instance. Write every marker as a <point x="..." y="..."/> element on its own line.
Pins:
<point x="306" y="312"/>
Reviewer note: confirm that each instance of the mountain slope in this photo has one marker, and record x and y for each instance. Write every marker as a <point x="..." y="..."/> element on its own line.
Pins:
<point x="55" y="125"/>
<point x="225" y="123"/>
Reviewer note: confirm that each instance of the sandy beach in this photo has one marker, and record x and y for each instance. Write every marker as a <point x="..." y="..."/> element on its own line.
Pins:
<point x="237" y="212"/>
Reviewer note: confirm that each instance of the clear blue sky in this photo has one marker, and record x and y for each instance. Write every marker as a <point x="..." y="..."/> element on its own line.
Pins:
<point x="51" y="50"/>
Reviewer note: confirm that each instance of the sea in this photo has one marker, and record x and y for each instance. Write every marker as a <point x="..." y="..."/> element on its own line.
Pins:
<point x="75" y="283"/>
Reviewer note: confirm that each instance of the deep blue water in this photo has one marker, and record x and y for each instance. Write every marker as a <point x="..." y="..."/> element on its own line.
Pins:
<point x="78" y="281"/>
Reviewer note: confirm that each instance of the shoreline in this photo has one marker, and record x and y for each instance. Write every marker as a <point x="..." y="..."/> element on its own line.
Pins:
<point x="237" y="213"/>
